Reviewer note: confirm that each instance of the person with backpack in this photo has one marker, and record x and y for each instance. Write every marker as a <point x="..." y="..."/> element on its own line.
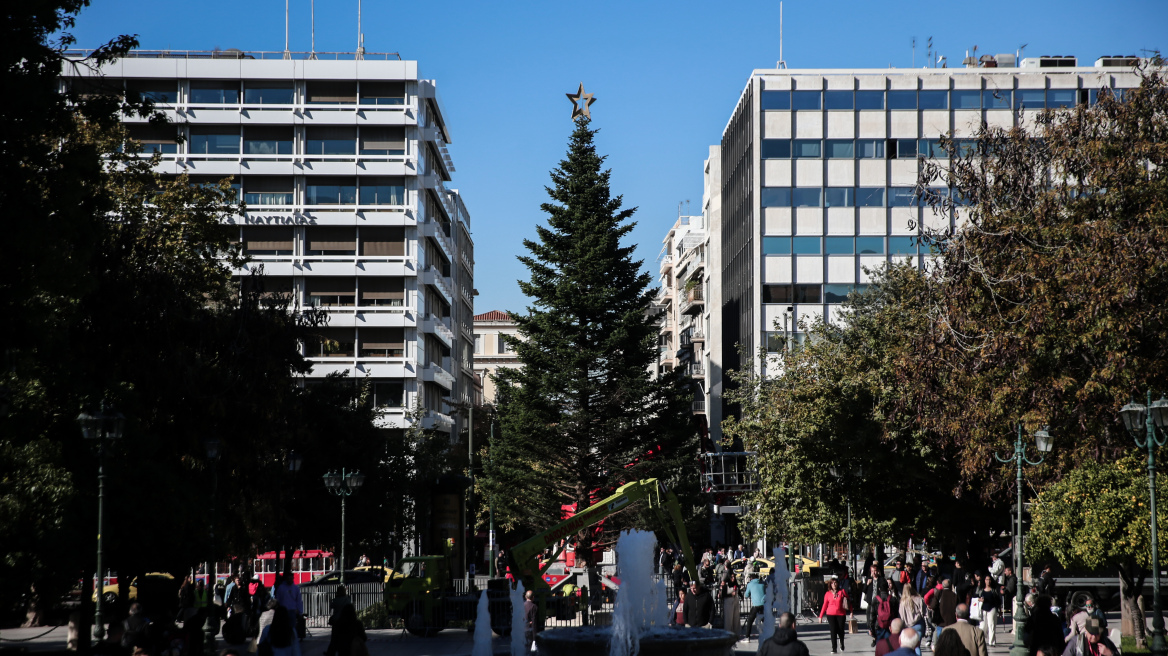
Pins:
<point x="884" y="612"/>
<point x="890" y="642"/>
<point x="872" y="588"/>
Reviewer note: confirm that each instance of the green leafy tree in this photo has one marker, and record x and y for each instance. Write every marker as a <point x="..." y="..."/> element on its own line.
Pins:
<point x="583" y="416"/>
<point x="828" y="408"/>
<point x="1050" y="304"/>
<point x="1097" y="517"/>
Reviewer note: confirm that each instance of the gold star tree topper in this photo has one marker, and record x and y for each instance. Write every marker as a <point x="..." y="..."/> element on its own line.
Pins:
<point x="580" y="103"/>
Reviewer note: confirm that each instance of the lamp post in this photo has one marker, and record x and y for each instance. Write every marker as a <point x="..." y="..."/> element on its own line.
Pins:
<point x="1042" y="441"/>
<point x="108" y="424"/>
<point x="295" y="460"/>
<point x="211" y="623"/>
<point x="1151" y="417"/>
<point x="343" y="485"/>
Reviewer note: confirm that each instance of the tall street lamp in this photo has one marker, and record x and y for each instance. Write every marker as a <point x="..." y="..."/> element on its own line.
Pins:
<point x="105" y="425"/>
<point x="1042" y="441"/>
<point x="211" y="622"/>
<point x="343" y="485"/>
<point x="1151" y="417"/>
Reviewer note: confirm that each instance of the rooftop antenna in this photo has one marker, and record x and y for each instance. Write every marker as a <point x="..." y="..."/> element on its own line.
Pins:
<point x="360" y="36"/>
<point x="914" y="51"/>
<point x="287" y="55"/>
<point x="1021" y="50"/>
<point x="929" y="59"/>
<point x="782" y="62"/>
<point x="312" y="10"/>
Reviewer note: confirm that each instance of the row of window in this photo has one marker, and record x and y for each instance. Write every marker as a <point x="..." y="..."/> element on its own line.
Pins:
<point x="839" y="246"/>
<point x="365" y="343"/>
<point x="793" y="294"/>
<point x="862" y="148"/>
<point x="912" y="99"/>
<point x="317" y="190"/>
<point x="272" y="140"/>
<point x="251" y="92"/>
<point x="370" y="241"/>
<point x="333" y="291"/>
<point x="845" y="197"/>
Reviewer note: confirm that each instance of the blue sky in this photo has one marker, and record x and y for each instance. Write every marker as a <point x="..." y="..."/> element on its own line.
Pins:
<point x="666" y="76"/>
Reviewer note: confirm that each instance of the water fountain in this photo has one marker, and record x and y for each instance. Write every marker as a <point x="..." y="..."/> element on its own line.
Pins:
<point x="482" y="633"/>
<point x="518" y="621"/>
<point x="640" y="618"/>
<point x="782" y="577"/>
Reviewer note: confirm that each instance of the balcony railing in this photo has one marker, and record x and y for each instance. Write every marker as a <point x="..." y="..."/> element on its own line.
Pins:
<point x="692" y="300"/>
<point x="699" y="405"/>
<point x="730" y="471"/>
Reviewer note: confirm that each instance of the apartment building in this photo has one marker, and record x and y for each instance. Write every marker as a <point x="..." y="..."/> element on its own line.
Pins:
<point x="818" y="166"/>
<point x="490" y="350"/>
<point x="343" y="166"/>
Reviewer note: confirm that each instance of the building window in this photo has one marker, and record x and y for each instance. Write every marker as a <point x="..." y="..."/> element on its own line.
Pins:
<point x="331" y="191"/>
<point x="997" y="98"/>
<point x="777" y="294"/>
<point x="214" y="92"/>
<point x="840" y="197"/>
<point x="330" y="291"/>
<point x="806" y="246"/>
<point x="504" y="346"/>
<point x="478" y="348"/>
<point x="159" y="91"/>
<point x="806" y="99"/>
<point x="775" y="100"/>
<point x="870" y="148"/>
<point x="381" y="292"/>
<point x="869" y="100"/>
<point x="840" y="246"/>
<point x="383" y="191"/>
<point x="382" y="342"/>
<point x="383" y="141"/>
<point x="838" y="100"/>
<point x="902" y="100"/>
<point x="775" y="340"/>
<point x="902" y="245"/>
<point x="154" y="138"/>
<point x="267" y="140"/>
<point x="809" y="197"/>
<point x="1060" y="98"/>
<point x="265" y="240"/>
<point x="214" y="140"/>
<point x="902" y="148"/>
<point x="870" y="197"/>
<point x="931" y="148"/>
<point x="839" y="293"/>
<point x="268" y="93"/>
<point x="808" y="148"/>
<point x="966" y="99"/>
<point x="383" y="241"/>
<point x="331" y="343"/>
<point x="903" y="197"/>
<point x="776" y="197"/>
<point x="1030" y="99"/>
<point x="807" y="293"/>
<point x="388" y="394"/>
<point x="840" y="149"/>
<point x="776" y="245"/>
<point x="870" y="245"/>
<point x="333" y="241"/>
<point x="933" y="99"/>
<point x="331" y="141"/>
<point x="330" y="92"/>
<point x="383" y="93"/>
<point x="268" y="190"/>
<point x="776" y="148"/>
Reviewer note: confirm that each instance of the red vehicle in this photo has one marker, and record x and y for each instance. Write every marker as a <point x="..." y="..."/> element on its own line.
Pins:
<point x="307" y="565"/>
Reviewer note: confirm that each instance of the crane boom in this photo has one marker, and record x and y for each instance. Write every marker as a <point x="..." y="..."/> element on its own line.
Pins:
<point x="661" y="500"/>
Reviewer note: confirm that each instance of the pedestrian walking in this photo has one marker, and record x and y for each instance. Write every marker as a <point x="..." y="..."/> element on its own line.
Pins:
<point x="1044" y="628"/>
<point x="872" y="588"/>
<point x="945" y="605"/>
<point x="949" y="644"/>
<point x="186" y="600"/>
<point x="348" y="637"/>
<point x="1009" y="588"/>
<point x="991" y="603"/>
<point x="1079" y="619"/>
<point x="997" y="568"/>
<point x="932" y="588"/>
<point x="677" y="619"/>
<point x="785" y="641"/>
<point x="755" y="597"/>
<point x="890" y="642"/>
<point x="910" y="643"/>
<point x="971" y="636"/>
<point x="699" y="607"/>
<point x="1091" y="641"/>
<point x="912" y="608"/>
<point x="884" y="613"/>
<point x="530" y="612"/>
<point x="277" y="632"/>
<point x="288" y="596"/>
<point x="835" y="608"/>
<point x="731" y="608"/>
<point x="134" y="628"/>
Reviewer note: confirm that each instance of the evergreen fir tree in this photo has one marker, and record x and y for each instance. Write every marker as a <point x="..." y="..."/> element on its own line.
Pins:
<point x="582" y="415"/>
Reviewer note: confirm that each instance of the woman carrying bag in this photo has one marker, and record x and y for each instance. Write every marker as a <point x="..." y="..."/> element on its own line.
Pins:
<point x="731" y="610"/>
<point x="835" y="607"/>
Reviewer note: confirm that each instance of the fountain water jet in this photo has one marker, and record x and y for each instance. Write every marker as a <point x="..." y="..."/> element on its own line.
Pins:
<point x="782" y="578"/>
<point x="518" y="621"/>
<point x="482" y="634"/>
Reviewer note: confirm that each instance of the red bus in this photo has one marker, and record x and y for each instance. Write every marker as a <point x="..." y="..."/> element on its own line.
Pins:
<point x="307" y="565"/>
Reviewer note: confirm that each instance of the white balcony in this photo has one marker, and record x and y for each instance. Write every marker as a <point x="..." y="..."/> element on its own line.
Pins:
<point x="436" y="374"/>
<point x="437" y="421"/>
<point x="433" y="324"/>
<point x="431" y="276"/>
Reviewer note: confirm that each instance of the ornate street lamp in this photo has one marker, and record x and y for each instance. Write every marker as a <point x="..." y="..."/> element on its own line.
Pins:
<point x="211" y="622"/>
<point x="1043" y="443"/>
<point x="1149" y="418"/>
<point x="343" y="485"/>
<point x="105" y="425"/>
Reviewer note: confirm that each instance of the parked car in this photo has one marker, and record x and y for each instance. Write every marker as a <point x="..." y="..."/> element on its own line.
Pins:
<point x="161" y="579"/>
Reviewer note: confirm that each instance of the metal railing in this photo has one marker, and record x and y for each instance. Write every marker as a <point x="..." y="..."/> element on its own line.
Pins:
<point x="316" y="600"/>
<point x="232" y="53"/>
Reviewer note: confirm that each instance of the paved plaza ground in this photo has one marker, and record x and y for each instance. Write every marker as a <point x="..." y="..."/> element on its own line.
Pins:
<point x="392" y="642"/>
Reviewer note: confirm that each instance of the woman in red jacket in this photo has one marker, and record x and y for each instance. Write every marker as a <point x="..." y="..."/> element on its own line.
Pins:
<point x="835" y="607"/>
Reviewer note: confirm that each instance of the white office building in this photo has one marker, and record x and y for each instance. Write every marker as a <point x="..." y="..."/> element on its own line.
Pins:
<point x="344" y="168"/>
<point x="817" y="170"/>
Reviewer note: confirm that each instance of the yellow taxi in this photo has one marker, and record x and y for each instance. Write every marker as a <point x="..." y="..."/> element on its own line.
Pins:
<point x="112" y="591"/>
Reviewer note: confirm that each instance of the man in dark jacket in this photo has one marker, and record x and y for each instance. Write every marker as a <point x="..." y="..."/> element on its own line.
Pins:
<point x="784" y="642"/>
<point x="699" y="605"/>
<point x="1009" y="588"/>
<point x="874" y="584"/>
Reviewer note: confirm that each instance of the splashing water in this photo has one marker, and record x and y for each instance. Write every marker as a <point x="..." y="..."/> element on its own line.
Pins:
<point x="782" y="579"/>
<point x="768" y="614"/>
<point x="482" y="634"/>
<point x="640" y="602"/>
<point x="518" y="621"/>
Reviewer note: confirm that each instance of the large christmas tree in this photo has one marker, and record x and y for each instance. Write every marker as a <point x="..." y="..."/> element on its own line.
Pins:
<point x="583" y="415"/>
